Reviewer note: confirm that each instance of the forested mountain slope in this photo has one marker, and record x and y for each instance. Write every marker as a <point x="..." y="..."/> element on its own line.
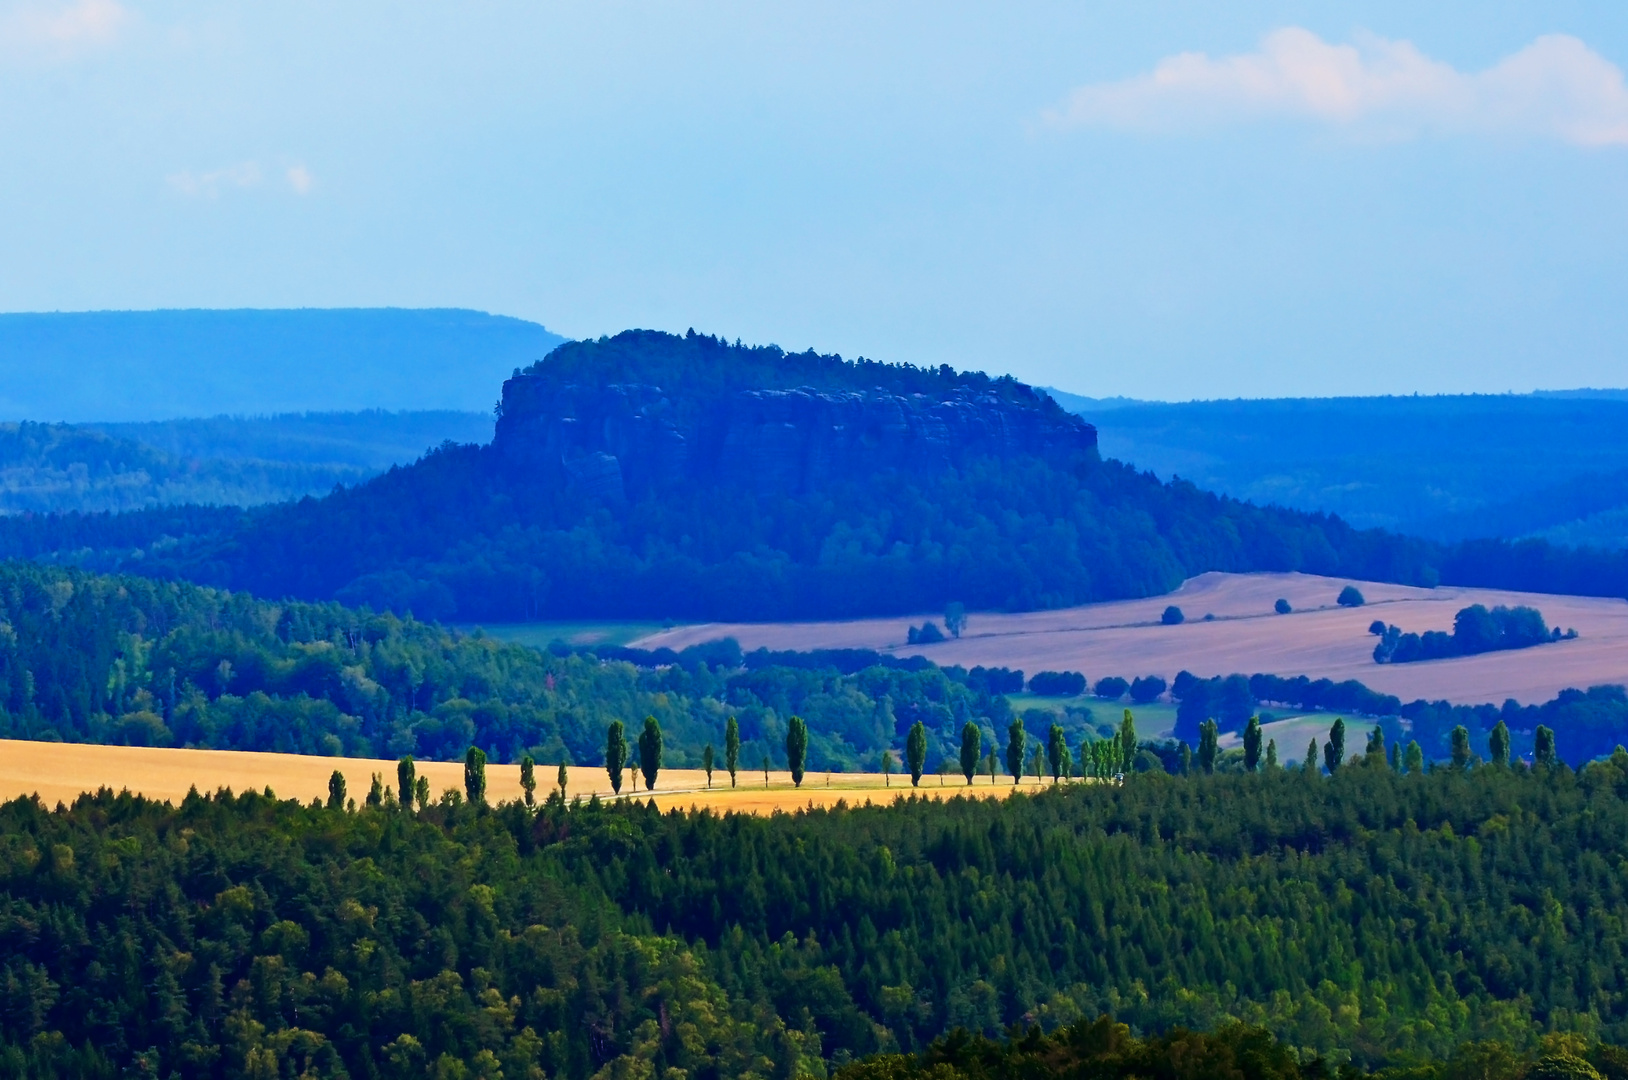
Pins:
<point x="1368" y="918"/>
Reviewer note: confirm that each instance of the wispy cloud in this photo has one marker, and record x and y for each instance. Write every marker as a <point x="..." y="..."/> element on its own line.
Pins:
<point x="1556" y="87"/>
<point x="208" y="185"/>
<point x="242" y="176"/>
<point x="53" y="31"/>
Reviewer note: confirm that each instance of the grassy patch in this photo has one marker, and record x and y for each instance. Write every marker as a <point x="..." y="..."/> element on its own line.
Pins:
<point x="540" y="634"/>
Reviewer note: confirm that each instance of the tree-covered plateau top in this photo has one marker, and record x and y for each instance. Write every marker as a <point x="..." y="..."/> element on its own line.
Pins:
<point x="704" y="365"/>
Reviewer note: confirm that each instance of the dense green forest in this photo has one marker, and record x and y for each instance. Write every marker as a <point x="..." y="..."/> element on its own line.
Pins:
<point x="1107" y="1050"/>
<point x="1368" y="917"/>
<point x="130" y="660"/>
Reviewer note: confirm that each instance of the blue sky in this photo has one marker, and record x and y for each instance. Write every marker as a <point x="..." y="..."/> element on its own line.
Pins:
<point x="1163" y="200"/>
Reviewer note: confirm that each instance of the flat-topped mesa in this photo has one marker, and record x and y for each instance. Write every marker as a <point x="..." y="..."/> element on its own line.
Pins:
<point x="619" y="441"/>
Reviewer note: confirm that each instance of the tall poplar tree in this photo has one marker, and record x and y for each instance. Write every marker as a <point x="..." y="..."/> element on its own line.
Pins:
<point x="650" y="752"/>
<point x="1016" y="743"/>
<point x="1127" y="742"/>
<point x="1498" y="743"/>
<point x="1271" y="753"/>
<point x="706" y="764"/>
<point x="1056" y="747"/>
<point x="1334" y="749"/>
<point x="1543" y="748"/>
<point x="1413" y="760"/>
<point x="475" y="775"/>
<point x="1252" y="744"/>
<point x="972" y="748"/>
<point x="528" y="779"/>
<point x="615" y="754"/>
<point x="732" y="748"/>
<point x="1461" y="747"/>
<point x="407" y="781"/>
<point x="336" y="791"/>
<point x="1209" y="743"/>
<point x="915" y="752"/>
<point x="796" y="749"/>
<point x="561" y="778"/>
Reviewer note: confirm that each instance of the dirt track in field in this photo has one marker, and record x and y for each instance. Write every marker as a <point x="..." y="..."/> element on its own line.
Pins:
<point x="1318" y="638"/>
<point x="59" y="772"/>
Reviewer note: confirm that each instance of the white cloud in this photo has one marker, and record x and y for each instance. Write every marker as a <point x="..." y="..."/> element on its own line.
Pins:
<point x="300" y="179"/>
<point x="209" y="185"/>
<point x="53" y="31"/>
<point x="1556" y="87"/>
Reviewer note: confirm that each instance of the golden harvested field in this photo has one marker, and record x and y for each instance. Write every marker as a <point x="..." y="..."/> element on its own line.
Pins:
<point x="1318" y="638"/>
<point x="59" y="772"/>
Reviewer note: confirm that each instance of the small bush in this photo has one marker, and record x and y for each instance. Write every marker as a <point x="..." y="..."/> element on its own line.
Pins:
<point x="1350" y="596"/>
<point x="1377" y="628"/>
<point x="926" y="634"/>
<point x="1282" y="606"/>
<point x="1172" y="616"/>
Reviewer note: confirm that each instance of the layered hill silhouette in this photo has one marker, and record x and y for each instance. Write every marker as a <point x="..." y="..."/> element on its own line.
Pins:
<point x="653" y="475"/>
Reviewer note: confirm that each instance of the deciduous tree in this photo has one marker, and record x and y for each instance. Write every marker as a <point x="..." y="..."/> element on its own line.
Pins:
<point x="1016" y="742"/>
<point x="972" y="748"/>
<point x="915" y="752"/>
<point x="615" y="754"/>
<point x="796" y="749"/>
<point x="650" y="752"/>
<point x="475" y="775"/>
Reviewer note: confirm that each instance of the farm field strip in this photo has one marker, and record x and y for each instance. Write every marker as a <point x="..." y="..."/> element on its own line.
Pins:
<point x="60" y="772"/>
<point x="1317" y="639"/>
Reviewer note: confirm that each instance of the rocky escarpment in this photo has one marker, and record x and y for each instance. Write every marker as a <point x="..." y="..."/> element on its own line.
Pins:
<point x="620" y="441"/>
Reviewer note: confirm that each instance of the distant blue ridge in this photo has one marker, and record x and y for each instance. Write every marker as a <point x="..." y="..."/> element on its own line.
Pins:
<point x="120" y="366"/>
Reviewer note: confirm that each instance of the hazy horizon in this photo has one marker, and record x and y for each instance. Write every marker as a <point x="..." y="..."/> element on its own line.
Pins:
<point x="1168" y="202"/>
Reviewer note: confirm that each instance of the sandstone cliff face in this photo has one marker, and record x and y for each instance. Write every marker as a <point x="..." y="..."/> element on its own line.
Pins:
<point x="620" y="441"/>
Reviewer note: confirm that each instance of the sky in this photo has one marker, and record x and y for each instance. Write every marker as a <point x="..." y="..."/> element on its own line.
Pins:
<point x="1158" y="200"/>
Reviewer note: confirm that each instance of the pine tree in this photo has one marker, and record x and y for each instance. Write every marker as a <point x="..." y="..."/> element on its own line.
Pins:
<point x="1543" y="748"/>
<point x="615" y="754"/>
<point x="972" y="748"/>
<point x="1054" y="752"/>
<point x="1461" y="747"/>
<point x="475" y="775"/>
<point x="650" y="752"/>
<point x="706" y="764"/>
<point x="1252" y="744"/>
<point x="1016" y="740"/>
<point x="1334" y="749"/>
<point x="1271" y="753"/>
<point x="1413" y="761"/>
<point x="1498" y="743"/>
<point x="915" y="752"/>
<point x="796" y="749"/>
<point x="732" y="748"/>
<point x="336" y="791"/>
<point x="406" y="781"/>
<point x="528" y="779"/>
<point x="1209" y="744"/>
